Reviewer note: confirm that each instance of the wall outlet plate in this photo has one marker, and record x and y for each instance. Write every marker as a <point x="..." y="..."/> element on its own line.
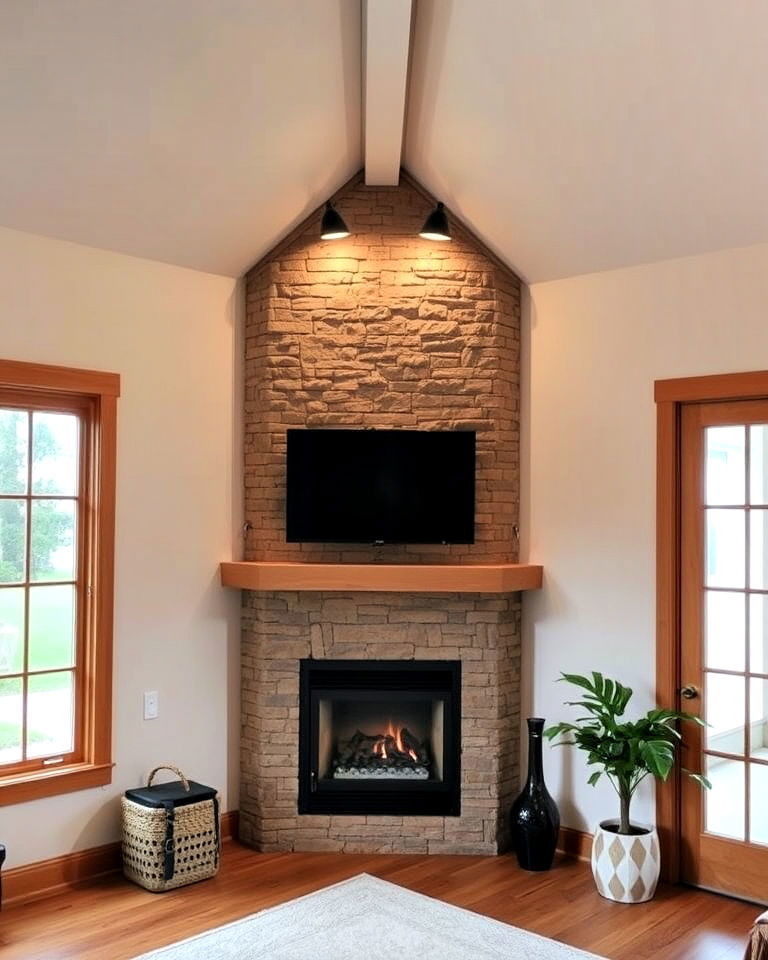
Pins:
<point x="151" y="699"/>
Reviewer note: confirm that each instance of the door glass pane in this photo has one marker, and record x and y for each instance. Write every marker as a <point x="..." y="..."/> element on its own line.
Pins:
<point x="54" y="453"/>
<point x="758" y="718"/>
<point x="758" y="549"/>
<point x="758" y="803"/>
<point x="13" y="540"/>
<point x="53" y="540"/>
<point x="724" y="617"/>
<point x="724" y="803"/>
<point x="50" y="713"/>
<point x="725" y="713"/>
<point x="725" y="548"/>
<point x="725" y="465"/>
<point x="11" y="718"/>
<point x="51" y="627"/>
<point x="758" y="633"/>
<point x="12" y="630"/>
<point x="758" y="463"/>
<point x="14" y="442"/>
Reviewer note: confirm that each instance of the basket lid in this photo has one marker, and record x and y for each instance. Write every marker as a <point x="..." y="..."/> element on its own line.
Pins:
<point x="158" y="794"/>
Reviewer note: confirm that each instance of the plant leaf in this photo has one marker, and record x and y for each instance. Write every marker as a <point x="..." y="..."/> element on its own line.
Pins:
<point x="578" y="681"/>
<point x="658" y="756"/>
<point x="699" y="778"/>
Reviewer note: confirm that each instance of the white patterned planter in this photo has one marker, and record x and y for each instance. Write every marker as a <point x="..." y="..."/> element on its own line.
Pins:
<point x="625" y="866"/>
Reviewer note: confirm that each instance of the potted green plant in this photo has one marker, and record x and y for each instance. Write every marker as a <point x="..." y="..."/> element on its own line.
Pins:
<point x="625" y="856"/>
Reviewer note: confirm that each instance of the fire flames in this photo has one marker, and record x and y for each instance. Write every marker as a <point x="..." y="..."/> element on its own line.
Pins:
<point x="394" y="737"/>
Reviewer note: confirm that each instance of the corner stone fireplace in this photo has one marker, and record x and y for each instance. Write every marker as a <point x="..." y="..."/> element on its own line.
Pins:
<point x="381" y="330"/>
<point x="480" y="632"/>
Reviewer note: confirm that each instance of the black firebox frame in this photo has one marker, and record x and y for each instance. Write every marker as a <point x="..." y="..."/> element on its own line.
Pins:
<point x="370" y="679"/>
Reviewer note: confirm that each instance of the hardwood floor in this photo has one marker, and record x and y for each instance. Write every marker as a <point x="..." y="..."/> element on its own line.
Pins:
<point x="110" y="919"/>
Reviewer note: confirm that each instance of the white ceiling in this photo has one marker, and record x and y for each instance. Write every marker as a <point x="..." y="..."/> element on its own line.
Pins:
<point x="195" y="132"/>
<point x="572" y="135"/>
<point x="582" y="135"/>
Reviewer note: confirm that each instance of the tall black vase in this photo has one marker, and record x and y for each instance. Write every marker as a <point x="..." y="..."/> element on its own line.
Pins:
<point x="535" y="817"/>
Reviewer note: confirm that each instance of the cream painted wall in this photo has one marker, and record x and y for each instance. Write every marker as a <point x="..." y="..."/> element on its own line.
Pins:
<point x="594" y="346"/>
<point x="172" y="335"/>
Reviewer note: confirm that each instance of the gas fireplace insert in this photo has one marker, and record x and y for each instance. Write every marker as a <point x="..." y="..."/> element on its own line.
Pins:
<point x="380" y="737"/>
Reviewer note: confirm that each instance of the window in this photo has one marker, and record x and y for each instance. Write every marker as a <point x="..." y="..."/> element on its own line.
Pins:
<point x="57" y="492"/>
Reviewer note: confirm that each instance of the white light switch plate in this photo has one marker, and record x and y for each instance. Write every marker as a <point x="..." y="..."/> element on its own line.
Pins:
<point x="150" y="704"/>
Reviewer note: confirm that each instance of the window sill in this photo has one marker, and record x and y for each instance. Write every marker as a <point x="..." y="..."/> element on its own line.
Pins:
<point x="49" y="783"/>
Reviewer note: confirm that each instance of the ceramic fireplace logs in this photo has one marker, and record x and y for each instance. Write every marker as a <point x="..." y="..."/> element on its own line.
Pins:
<point x="395" y="754"/>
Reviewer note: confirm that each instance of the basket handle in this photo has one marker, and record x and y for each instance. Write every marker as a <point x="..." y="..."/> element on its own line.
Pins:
<point x="167" y="766"/>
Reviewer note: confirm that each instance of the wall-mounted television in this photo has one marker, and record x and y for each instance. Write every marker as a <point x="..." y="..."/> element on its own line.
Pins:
<point x="380" y="486"/>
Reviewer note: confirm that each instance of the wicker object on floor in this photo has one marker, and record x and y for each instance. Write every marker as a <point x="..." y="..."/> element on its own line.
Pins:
<point x="160" y="856"/>
<point x="757" y="948"/>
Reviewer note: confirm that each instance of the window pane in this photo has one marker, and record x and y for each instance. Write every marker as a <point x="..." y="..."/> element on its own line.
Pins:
<point x="724" y="803"/>
<point x="50" y="714"/>
<point x="13" y="540"/>
<point x="758" y="549"/>
<point x="725" y="464"/>
<point x="758" y="633"/>
<point x="725" y="548"/>
<point x="14" y="441"/>
<point x="54" y="453"/>
<point x="725" y="713"/>
<point x="53" y="540"/>
<point x="12" y="630"/>
<point x="11" y="717"/>
<point x="724" y="630"/>
<point x="758" y="718"/>
<point x="758" y="463"/>
<point x="51" y="627"/>
<point x="758" y="807"/>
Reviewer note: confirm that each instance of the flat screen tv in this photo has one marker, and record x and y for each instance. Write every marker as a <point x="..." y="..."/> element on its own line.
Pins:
<point x="380" y="486"/>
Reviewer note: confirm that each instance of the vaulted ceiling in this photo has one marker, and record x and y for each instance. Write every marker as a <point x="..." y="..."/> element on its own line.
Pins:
<point x="572" y="135"/>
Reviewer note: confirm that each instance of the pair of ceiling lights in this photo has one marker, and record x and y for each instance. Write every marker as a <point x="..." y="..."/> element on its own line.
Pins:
<point x="435" y="226"/>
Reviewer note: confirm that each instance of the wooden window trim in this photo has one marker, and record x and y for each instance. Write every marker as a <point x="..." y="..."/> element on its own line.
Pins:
<point x="99" y="392"/>
<point x="671" y="397"/>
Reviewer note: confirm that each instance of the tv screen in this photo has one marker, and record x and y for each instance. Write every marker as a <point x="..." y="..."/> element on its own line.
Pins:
<point x="380" y="486"/>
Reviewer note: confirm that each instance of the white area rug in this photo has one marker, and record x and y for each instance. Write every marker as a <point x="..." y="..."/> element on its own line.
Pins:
<point x="367" y="919"/>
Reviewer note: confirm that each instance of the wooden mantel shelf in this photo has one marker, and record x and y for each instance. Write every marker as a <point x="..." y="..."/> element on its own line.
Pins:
<point x="398" y="578"/>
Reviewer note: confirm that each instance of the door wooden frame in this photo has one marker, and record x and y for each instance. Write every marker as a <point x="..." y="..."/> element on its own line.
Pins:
<point x="671" y="396"/>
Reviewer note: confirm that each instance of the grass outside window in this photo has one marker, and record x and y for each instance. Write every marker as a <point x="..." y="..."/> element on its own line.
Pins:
<point x="57" y="490"/>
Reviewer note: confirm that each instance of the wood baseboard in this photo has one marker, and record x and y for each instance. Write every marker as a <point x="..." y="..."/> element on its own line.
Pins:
<point x="48" y="876"/>
<point x="35" y="880"/>
<point x="230" y="823"/>
<point x="45" y="877"/>
<point x="575" y="843"/>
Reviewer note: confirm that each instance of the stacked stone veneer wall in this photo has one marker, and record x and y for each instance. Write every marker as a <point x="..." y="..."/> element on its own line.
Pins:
<point x="382" y="329"/>
<point x="481" y="631"/>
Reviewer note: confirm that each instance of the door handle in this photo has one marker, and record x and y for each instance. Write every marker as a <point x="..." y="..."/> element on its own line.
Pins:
<point x="689" y="692"/>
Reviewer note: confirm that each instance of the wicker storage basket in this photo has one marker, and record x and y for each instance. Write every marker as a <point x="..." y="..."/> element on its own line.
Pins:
<point x="170" y="833"/>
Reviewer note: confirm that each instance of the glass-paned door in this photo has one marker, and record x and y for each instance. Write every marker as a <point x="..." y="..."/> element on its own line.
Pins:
<point x="724" y="636"/>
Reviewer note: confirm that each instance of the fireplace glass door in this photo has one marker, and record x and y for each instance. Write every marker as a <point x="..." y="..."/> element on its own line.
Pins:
<point x="379" y="737"/>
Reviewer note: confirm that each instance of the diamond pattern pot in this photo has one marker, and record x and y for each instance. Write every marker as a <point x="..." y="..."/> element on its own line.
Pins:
<point x="625" y="866"/>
